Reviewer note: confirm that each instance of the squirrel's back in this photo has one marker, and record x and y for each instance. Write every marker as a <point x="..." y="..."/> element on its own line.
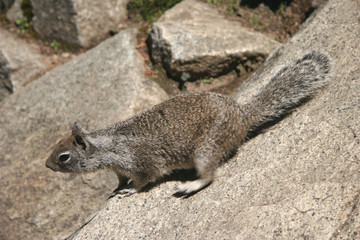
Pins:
<point x="181" y="124"/>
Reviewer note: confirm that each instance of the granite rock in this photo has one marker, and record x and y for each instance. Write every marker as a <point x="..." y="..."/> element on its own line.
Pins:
<point x="193" y="38"/>
<point x="77" y="22"/>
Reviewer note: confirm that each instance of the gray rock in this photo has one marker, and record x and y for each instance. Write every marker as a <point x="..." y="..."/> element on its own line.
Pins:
<point x="297" y="180"/>
<point x="15" y="12"/>
<point x="193" y="38"/>
<point x="5" y="5"/>
<point x="25" y="61"/>
<point x="6" y="86"/>
<point x="102" y="86"/>
<point x="79" y="23"/>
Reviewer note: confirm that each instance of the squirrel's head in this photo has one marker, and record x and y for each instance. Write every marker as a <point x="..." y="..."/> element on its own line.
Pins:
<point x="72" y="153"/>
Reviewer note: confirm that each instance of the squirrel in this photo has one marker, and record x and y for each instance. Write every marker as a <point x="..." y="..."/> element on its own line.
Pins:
<point x="194" y="130"/>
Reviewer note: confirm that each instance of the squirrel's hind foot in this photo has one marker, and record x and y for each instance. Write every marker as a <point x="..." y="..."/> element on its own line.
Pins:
<point x="191" y="187"/>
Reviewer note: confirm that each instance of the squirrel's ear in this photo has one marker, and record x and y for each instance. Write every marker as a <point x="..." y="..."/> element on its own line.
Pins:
<point x="79" y="140"/>
<point x="77" y="130"/>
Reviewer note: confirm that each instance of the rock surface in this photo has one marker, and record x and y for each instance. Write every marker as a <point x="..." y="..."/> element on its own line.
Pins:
<point x="298" y="180"/>
<point x="5" y="82"/>
<point x="25" y="60"/>
<point x="77" y="22"/>
<point x="15" y="12"/>
<point x="193" y="38"/>
<point x="100" y="87"/>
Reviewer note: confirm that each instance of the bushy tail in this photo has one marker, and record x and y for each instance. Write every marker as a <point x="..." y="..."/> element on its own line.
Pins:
<point x="292" y="84"/>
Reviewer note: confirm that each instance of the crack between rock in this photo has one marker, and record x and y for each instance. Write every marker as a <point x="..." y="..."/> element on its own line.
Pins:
<point x="304" y="211"/>
<point x="356" y="139"/>
<point x="345" y="225"/>
<point x="264" y="204"/>
<point x="77" y="231"/>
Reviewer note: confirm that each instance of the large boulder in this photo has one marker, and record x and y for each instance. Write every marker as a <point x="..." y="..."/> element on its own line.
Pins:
<point x="193" y="38"/>
<point x="76" y="22"/>
<point x="298" y="180"/>
<point x="102" y="86"/>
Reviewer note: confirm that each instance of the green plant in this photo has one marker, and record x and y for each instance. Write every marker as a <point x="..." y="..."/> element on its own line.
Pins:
<point x="55" y="45"/>
<point x="240" y="68"/>
<point x="208" y="80"/>
<point x="255" y="22"/>
<point x="281" y="9"/>
<point x="23" y="24"/>
<point x="224" y="2"/>
<point x="150" y="10"/>
<point x="230" y="10"/>
<point x="185" y="76"/>
<point x="138" y="18"/>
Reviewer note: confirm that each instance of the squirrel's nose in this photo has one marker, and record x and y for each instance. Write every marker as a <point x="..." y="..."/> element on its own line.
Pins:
<point x="51" y="165"/>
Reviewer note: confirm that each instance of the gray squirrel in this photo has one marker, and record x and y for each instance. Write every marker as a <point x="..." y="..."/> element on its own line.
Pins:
<point x="196" y="130"/>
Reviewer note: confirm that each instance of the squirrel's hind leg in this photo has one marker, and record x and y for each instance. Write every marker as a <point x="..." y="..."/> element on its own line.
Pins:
<point x="206" y="161"/>
<point x="123" y="182"/>
<point x="191" y="187"/>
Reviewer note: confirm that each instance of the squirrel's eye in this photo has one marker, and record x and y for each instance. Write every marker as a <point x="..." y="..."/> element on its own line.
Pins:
<point x="64" y="157"/>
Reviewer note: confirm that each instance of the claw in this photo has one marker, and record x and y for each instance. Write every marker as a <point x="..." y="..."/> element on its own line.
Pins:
<point x="123" y="193"/>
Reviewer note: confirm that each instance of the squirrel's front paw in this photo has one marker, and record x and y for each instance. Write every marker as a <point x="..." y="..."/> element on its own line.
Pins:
<point x="123" y="192"/>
